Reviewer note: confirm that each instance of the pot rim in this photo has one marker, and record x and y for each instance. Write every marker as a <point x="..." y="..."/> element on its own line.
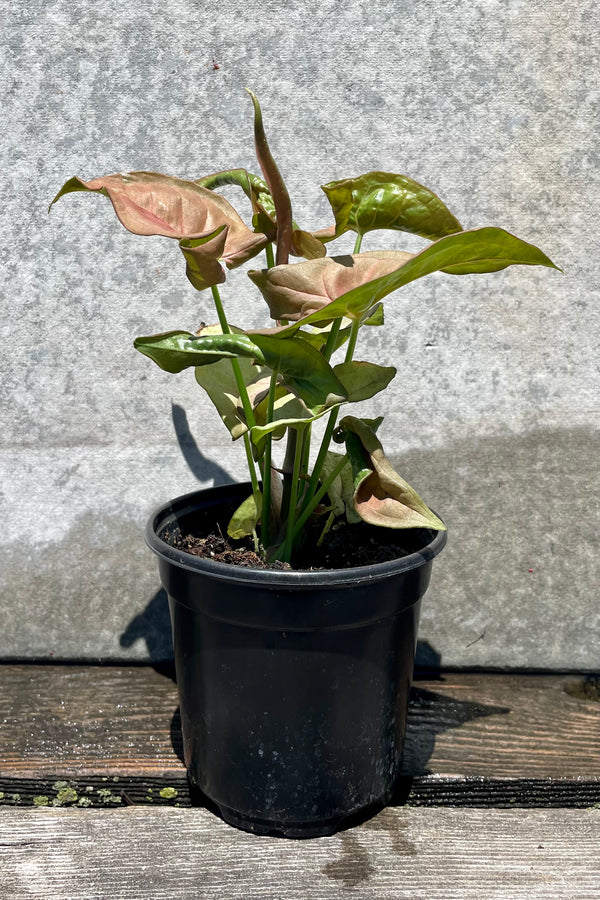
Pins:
<point x="294" y="579"/>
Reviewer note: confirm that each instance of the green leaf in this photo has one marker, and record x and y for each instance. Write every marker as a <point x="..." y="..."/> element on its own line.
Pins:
<point x="469" y="252"/>
<point x="374" y="316"/>
<point x="381" y="496"/>
<point x="175" y="351"/>
<point x="289" y="412"/>
<point x="264" y="213"/>
<point x="362" y="380"/>
<point x="383" y="200"/>
<point x="219" y="382"/>
<point x="304" y="371"/>
<point x="317" y="337"/>
<point x="246" y="517"/>
<point x="252" y="185"/>
<point x="257" y="191"/>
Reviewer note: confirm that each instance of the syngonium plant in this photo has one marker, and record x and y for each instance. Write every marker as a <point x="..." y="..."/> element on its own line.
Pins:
<point x="276" y="382"/>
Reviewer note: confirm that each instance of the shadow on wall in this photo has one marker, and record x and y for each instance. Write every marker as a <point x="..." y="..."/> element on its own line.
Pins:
<point x="202" y="468"/>
<point x="153" y="625"/>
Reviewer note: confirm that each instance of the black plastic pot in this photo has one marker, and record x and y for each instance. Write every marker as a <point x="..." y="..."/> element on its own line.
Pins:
<point x="293" y="685"/>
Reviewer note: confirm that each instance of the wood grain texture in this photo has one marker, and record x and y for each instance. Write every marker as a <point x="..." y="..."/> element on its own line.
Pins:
<point x="421" y="854"/>
<point x="88" y="721"/>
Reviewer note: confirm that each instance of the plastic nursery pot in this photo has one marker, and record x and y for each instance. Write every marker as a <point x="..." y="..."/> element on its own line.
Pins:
<point x="293" y="685"/>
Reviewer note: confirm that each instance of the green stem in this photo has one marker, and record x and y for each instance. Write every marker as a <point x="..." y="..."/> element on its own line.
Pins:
<point x="269" y="255"/>
<point x="331" y="339"/>
<point x="286" y="552"/>
<point x="352" y="340"/>
<point x="357" y="243"/>
<point x="312" y="504"/>
<point x="250" y="461"/>
<point x="266" y="497"/>
<point x="331" y="423"/>
<point x="235" y="365"/>
<point x="239" y="380"/>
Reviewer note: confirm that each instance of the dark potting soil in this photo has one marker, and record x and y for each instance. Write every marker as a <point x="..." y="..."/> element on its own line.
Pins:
<point x="345" y="546"/>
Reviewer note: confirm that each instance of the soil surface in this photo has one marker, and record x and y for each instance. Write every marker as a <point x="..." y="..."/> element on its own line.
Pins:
<point x="345" y="546"/>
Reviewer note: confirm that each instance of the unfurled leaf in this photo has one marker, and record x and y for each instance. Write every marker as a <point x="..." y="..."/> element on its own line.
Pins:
<point x="383" y="200"/>
<point x="469" y="252"/>
<point x="295" y="291"/>
<point x="289" y="412"/>
<point x="279" y="192"/>
<point x="303" y="369"/>
<point x="246" y="517"/>
<point x="175" y="351"/>
<point x="219" y="382"/>
<point x="381" y="496"/>
<point x="363" y="380"/>
<point x="147" y="203"/>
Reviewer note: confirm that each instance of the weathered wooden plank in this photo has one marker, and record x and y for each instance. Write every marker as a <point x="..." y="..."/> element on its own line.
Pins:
<point x="86" y="721"/>
<point x="421" y="854"/>
<point x="424" y="790"/>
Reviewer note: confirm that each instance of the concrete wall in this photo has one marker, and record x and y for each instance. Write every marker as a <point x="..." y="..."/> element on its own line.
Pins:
<point x="494" y="413"/>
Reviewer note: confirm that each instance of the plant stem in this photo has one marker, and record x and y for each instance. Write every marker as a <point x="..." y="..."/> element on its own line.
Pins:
<point x="250" y="461"/>
<point x="331" y="339"/>
<point x="266" y="497"/>
<point x="286" y="552"/>
<point x="331" y="423"/>
<point x="352" y="341"/>
<point x="269" y="255"/>
<point x="311" y="504"/>
<point x="239" y="380"/>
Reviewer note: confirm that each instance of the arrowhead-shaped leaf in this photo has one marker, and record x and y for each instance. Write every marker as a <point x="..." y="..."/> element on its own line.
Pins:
<point x="303" y="369"/>
<point x="383" y="200"/>
<point x="381" y="496"/>
<point x="219" y="382"/>
<point x="295" y="291"/>
<point x="147" y="203"/>
<point x="362" y="380"/>
<point x="289" y="412"/>
<point x="246" y="517"/>
<point x="175" y="351"/>
<point x="465" y="253"/>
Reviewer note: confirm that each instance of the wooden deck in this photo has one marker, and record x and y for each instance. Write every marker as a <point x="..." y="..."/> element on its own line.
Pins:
<point x="501" y="797"/>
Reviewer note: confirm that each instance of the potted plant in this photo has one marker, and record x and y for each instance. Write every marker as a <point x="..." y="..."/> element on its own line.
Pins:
<point x="294" y="634"/>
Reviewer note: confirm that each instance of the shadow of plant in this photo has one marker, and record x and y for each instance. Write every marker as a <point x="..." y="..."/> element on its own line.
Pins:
<point x="202" y="468"/>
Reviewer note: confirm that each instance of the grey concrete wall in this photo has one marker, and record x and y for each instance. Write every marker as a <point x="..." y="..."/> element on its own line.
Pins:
<point x="494" y="413"/>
